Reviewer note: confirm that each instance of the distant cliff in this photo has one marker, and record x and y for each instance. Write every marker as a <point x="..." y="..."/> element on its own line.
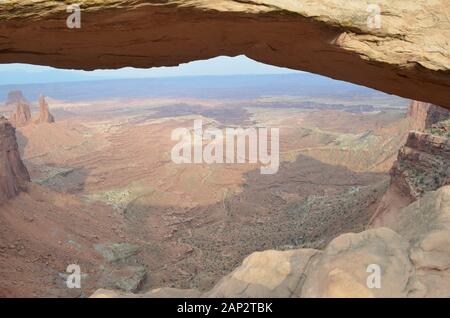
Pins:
<point x="424" y="115"/>
<point x="22" y="113"/>
<point x="44" y="112"/>
<point x="423" y="163"/>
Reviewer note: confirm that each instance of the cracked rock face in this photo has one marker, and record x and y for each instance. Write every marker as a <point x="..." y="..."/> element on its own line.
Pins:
<point x="407" y="53"/>
<point x="342" y="271"/>
<point x="423" y="163"/>
<point x="424" y="115"/>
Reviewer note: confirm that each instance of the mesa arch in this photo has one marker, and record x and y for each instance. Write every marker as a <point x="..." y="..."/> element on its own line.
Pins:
<point x="409" y="55"/>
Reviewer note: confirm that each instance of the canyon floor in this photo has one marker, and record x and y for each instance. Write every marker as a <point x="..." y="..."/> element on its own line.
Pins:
<point x="106" y="195"/>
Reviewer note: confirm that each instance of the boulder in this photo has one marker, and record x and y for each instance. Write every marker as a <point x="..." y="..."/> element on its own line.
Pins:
<point x="423" y="163"/>
<point x="266" y="274"/>
<point x="424" y="115"/>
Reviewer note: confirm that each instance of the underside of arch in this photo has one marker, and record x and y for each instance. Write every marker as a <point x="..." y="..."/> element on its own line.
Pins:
<point x="408" y="55"/>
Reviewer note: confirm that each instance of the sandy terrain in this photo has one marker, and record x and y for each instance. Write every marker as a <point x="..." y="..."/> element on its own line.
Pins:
<point x="108" y="171"/>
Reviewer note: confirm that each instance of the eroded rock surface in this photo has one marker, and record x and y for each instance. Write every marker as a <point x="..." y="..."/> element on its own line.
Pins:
<point x="424" y="115"/>
<point x="342" y="271"/>
<point x="44" y="112"/>
<point x="412" y="253"/>
<point x="423" y="163"/>
<point x="425" y="224"/>
<point x="407" y="53"/>
<point x="13" y="172"/>
<point x="22" y="115"/>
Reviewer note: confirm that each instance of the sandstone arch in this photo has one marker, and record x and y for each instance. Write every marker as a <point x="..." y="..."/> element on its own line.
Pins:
<point x="408" y="56"/>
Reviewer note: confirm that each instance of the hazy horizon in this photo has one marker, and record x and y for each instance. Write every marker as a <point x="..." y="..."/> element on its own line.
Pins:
<point x="243" y="86"/>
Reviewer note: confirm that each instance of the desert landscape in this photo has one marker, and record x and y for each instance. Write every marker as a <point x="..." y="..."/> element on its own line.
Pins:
<point x="88" y="178"/>
<point x="144" y="223"/>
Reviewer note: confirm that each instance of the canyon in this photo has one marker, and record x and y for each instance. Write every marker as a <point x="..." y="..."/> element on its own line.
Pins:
<point x="363" y="179"/>
<point x="409" y="239"/>
<point x="22" y="114"/>
<point x="144" y="226"/>
<point x="44" y="112"/>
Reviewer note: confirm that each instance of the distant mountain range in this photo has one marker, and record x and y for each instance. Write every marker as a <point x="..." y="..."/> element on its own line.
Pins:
<point x="230" y="86"/>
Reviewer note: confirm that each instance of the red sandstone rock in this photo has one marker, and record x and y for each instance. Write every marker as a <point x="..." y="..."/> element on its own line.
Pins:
<point x="22" y="115"/>
<point x="13" y="172"/>
<point x="423" y="163"/>
<point x="423" y="115"/>
<point x="44" y="112"/>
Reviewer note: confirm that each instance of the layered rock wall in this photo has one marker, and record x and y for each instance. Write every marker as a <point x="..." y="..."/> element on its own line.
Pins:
<point x="410" y="252"/>
<point x="423" y="163"/>
<point x="423" y="115"/>
<point x="14" y="97"/>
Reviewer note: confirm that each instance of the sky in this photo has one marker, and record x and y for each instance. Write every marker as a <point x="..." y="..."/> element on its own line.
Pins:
<point x="26" y="73"/>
